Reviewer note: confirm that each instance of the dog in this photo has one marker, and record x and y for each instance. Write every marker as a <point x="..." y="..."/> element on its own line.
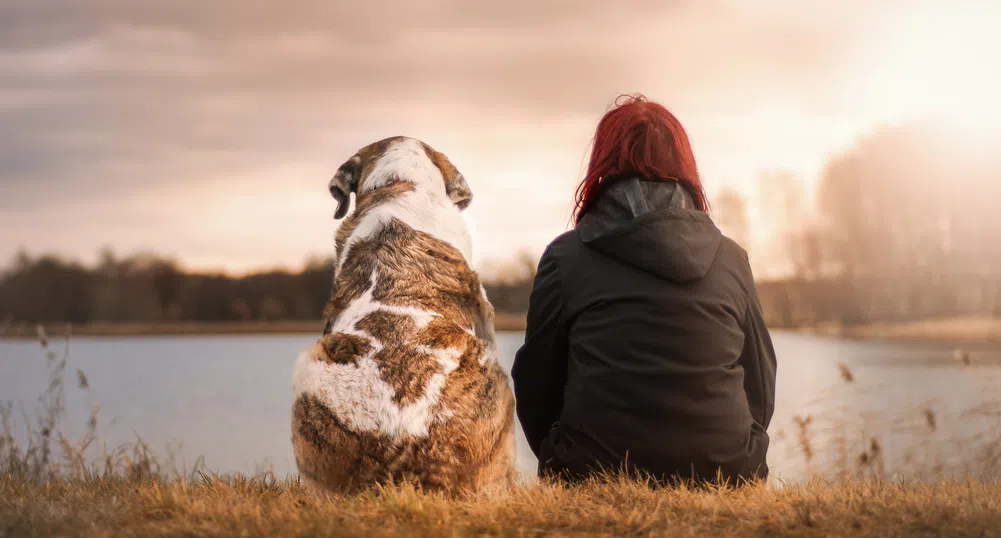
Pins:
<point x="404" y="384"/>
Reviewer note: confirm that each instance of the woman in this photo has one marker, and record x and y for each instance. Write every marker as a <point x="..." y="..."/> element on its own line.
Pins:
<point x="645" y="346"/>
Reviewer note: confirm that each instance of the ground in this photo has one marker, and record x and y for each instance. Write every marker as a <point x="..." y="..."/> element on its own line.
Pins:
<point x="234" y="506"/>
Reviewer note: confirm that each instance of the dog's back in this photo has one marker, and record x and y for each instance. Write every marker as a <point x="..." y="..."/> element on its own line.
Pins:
<point x="404" y="384"/>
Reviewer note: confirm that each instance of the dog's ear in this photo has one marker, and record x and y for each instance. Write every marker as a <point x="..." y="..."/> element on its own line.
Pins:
<point x="455" y="183"/>
<point x="345" y="182"/>
<point x="458" y="191"/>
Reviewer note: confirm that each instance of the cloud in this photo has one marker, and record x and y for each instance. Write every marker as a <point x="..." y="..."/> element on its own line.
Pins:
<point x="123" y="100"/>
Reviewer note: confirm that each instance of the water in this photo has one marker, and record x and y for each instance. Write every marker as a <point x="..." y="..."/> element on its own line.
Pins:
<point x="228" y="398"/>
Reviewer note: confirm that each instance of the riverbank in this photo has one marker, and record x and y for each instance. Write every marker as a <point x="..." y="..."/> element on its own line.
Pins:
<point x="975" y="330"/>
<point x="959" y="331"/>
<point x="506" y="323"/>
<point x="235" y="506"/>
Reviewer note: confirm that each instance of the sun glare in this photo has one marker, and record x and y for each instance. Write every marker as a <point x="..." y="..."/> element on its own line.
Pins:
<point x="939" y="64"/>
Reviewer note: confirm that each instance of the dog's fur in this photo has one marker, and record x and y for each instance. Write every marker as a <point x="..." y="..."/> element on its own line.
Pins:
<point x="404" y="383"/>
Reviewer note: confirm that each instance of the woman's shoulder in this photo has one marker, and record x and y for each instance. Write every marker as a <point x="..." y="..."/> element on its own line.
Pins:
<point x="558" y="253"/>
<point x="736" y="261"/>
<point x="733" y="250"/>
<point x="564" y="239"/>
<point x="564" y="245"/>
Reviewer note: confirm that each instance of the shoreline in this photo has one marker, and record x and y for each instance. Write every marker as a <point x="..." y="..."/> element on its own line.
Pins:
<point x="503" y="323"/>
<point x="980" y="331"/>
<point x="968" y="330"/>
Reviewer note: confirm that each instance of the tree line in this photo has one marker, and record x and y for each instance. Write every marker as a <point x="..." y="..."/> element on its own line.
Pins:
<point x="150" y="288"/>
<point x="904" y="225"/>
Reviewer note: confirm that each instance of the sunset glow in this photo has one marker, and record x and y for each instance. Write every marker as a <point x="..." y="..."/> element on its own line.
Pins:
<point x="210" y="138"/>
<point x="940" y="62"/>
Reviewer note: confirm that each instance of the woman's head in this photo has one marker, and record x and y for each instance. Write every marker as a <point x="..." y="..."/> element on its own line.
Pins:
<point x="639" y="137"/>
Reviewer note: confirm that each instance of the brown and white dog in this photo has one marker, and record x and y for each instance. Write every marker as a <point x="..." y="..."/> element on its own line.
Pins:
<point x="405" y="382"/>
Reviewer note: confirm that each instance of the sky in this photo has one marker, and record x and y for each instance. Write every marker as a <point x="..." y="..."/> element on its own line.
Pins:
<point x="207" y="131"/>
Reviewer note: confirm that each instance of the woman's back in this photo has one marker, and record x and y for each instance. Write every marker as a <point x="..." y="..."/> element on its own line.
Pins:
<point x="645" y="342"/>
<point x="654" y="328"/>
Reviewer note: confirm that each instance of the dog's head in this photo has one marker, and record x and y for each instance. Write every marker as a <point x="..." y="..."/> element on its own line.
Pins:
<point x="398" y="158"/>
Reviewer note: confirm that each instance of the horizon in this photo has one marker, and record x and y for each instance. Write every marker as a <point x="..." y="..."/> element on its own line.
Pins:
<point x="207" y="133"/>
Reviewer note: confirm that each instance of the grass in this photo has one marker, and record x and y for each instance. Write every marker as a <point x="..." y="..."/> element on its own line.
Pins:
<point x="240" y="506"/>
<point x="51" y="485"/>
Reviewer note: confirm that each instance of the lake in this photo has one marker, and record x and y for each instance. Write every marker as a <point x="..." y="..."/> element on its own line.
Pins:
<point x="228" y="399"/>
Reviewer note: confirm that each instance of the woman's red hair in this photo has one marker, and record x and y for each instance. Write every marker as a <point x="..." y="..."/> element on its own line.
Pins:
<point x="639" y="137"/>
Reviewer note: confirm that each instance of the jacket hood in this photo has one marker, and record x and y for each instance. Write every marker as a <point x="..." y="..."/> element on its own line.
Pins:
<point x="652" y="225"/>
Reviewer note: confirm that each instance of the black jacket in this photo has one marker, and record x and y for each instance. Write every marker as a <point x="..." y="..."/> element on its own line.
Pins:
<point x="645" y="344"/>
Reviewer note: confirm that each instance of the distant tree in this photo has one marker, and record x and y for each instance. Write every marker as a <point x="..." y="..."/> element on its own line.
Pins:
<point x="167" y="281"/>
<point x="240" y="309"/>
<point x="809" y="248"/>
<point x="911" y="220"/>
<point x="730" y="213"/>
<point x="783" y="209"/>
<point x="271" y="309"/>
<point x="22" y="261"/>
<point x="891" y="200"/>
